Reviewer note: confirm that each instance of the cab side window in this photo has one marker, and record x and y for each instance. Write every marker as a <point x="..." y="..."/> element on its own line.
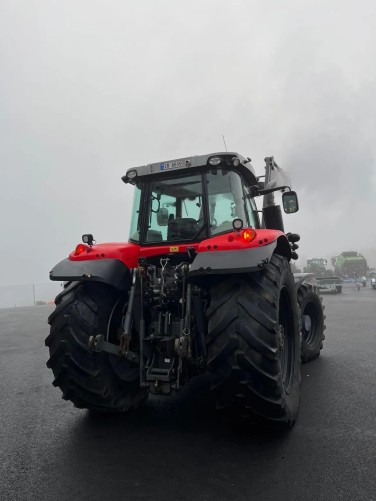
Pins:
<point x="228" y="200"/>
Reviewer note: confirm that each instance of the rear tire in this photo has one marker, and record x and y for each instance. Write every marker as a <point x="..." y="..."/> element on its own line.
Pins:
<point x="312" y="322"/>
<point x="254" y="345"/>
<point x="92" y="380"/>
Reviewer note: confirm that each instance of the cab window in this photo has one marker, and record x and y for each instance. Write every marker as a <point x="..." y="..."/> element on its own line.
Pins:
<point x="135" y="219"/>
<point x="228" y="200"/>
<point x="175" y="210"/>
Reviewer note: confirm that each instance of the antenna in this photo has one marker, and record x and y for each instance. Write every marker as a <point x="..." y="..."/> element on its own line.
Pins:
<point x="224" y="142"/>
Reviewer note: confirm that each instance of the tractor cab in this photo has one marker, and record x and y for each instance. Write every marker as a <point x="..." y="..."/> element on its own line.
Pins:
<point x="192" y="199"/>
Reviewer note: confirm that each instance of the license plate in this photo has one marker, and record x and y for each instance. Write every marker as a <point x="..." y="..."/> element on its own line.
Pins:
<point x="175" y="164"/>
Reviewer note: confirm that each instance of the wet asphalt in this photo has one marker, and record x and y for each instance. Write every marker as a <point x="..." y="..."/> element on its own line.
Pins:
<point x="178" y="448"/>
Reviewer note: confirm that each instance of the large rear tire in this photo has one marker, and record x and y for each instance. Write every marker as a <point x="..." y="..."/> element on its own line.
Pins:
<point x="254" y="344"/>
<point x="312" y="322"/>
<point x="92" y="380"/>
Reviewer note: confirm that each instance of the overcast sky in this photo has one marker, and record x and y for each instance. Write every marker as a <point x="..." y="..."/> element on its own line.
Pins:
<point x="90" y="88"/>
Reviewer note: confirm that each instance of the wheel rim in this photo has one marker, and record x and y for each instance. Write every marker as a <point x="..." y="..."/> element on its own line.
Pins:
<point x="310" y="324"/>
<point x="286" y="337"/>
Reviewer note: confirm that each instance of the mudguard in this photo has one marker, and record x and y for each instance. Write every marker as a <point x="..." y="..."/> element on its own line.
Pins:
<point x="108" y="271"/>
<point x="307" y="278"/>
<point x="218" y="262"/>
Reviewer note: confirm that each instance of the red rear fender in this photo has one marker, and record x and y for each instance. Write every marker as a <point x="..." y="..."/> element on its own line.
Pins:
<point x="127" y="253"/>
<point x="235" y="240"/>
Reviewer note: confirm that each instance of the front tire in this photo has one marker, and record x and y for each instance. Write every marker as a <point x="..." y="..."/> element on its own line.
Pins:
<point x="312" y="322"/>
<point x="92" y="380"/>
<point x="254" y="344"/>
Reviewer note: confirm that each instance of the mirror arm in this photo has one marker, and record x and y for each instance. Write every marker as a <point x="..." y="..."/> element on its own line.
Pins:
<point x="256" y="192"/>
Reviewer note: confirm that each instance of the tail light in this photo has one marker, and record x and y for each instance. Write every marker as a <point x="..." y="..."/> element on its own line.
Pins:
<point x="80" y="248"/>
<point x="248" y="235"/>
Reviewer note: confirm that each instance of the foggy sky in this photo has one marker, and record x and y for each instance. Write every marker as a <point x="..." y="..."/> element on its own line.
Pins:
<point x="91" y="88"/>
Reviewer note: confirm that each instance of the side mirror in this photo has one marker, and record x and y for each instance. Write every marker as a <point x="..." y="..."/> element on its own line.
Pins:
<point x="162" y="217"/>
<point x="290" y="202"/>
<point x="155" y="204"/>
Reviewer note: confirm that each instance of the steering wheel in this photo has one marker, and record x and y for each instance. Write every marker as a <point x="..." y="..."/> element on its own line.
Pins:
<point x="201" y="221"/>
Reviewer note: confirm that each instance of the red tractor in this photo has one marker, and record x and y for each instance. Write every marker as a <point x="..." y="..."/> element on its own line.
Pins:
<point x="201" y="286"/>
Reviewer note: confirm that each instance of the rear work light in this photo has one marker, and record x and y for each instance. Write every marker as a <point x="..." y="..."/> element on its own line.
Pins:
<point x="248" y="235"/>
<point x="131" y="174"/>
<point x="80" y="248"/>
<point x="215" y="160"/>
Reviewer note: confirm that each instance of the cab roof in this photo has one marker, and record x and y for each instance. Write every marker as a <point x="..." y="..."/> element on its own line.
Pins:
<point x="224" y="159"/>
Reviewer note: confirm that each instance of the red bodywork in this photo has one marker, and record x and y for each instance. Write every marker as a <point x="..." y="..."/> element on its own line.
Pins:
<point x="129" y="252"/>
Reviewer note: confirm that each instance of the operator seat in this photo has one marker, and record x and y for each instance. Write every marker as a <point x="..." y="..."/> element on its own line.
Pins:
<point x="183" y="228"/>
<point x="154" y="236"/>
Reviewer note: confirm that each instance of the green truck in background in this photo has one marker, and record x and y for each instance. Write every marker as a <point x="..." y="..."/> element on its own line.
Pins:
<point x="350" y="264"/>
<point x="325" y="278"/>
